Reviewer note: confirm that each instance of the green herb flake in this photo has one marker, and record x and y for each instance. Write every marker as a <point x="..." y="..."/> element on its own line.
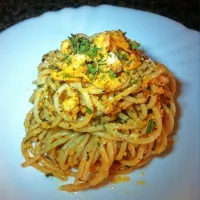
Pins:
<point x="134" y="81"/>
<point x="68" y="59"/>
<point x="79" y="45"/>
<point x="93" y="51"/>
<point x="52" y="67"/>
<point x="96" y="63"/>
<point x="111" y="74"/>
<point x="101" y="70"/>
<point x="127" y="73"/>
<point x="101" y="56"/>
<point x="39" y="86"/>
<point x="102" y="123"/>
<point x="130" y="61"/>
<point x="103" y="76"/>
<point x="150" y="126"/>
<point x="84" y="45"/>
<point x="134" y="45"/>
<point x="48" y="175"/>
<point x="65" y="75"/>
<point x="99" y="144"/>
<point x="73" y="43"/>
<point x="92" y="69"/>
<point x="122" y="56"/>
<point x="95" y="124"/>
<point x="135" y="70"/>
<point x="88" y="110"/>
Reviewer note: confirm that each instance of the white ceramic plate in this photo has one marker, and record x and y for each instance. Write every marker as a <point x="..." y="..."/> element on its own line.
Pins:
<point x="173" y="177"/>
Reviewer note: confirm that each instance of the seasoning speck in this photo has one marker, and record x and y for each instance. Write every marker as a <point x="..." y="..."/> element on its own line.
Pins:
<point x="142" y="182"/>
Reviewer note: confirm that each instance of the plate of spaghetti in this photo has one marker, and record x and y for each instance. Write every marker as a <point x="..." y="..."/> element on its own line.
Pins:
<point x="91" y="103"/>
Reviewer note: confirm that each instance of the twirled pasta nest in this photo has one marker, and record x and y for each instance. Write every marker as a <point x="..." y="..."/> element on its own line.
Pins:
<point x="101" y="107"/>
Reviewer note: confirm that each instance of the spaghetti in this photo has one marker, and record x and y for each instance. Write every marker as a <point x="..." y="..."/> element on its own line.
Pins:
<point x="101" y="107"/>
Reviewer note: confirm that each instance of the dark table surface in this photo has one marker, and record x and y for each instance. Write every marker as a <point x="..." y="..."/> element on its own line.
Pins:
<point x="183" y="11"/>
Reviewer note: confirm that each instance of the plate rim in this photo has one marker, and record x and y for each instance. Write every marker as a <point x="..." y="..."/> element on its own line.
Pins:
<point x="12" y="28"/>
<point x="165" y="18"/>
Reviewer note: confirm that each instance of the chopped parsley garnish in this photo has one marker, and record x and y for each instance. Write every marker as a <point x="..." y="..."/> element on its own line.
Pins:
<point x="134" y="45"/>
<point x="150" y="126"/>
<point x="73" y="43"/>
<point x="88" y="110"/>
<point x="39" y="86"/>
<point x="79" y="45"/>
<point x="93" y="51"/>
<point x="92" y="69"/>
<point x="84" y="45"/>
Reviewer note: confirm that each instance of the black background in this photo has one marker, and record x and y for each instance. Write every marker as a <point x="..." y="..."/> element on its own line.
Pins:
<point x="183" y="11"/>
